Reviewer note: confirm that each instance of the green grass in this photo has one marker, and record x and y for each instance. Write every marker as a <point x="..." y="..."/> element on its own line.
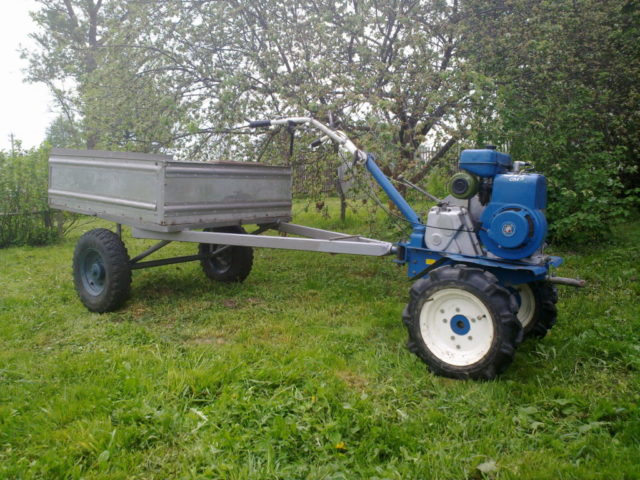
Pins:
<point x="301" y="372"/>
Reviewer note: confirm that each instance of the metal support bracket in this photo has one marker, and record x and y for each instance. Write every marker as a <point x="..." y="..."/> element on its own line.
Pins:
<point x="149" y="251"/>
<point x="166" y="261"/>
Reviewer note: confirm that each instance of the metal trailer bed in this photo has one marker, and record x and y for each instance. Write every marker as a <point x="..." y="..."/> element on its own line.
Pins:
<point x="168" y="200"/>
<point x="156" y="193"/>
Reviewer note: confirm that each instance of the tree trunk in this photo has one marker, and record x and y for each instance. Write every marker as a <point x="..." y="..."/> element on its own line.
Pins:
<point x="343" y="200"/>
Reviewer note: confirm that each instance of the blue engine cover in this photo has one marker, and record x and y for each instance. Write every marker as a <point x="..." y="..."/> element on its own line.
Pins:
<point x="513" y="224"/>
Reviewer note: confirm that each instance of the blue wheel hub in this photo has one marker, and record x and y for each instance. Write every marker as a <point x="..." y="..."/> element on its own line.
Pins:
<point x="460" y="324"/>
<point x="92" y="272"/>
<point x="97" y="271"/>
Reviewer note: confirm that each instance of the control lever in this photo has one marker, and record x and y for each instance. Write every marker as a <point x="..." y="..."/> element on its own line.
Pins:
<point x="422" y="191"/>
<point x="259" y="123"/>
<point x="319" y="141"/>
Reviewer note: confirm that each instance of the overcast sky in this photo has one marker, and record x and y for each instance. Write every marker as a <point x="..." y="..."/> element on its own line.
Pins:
<point x="25" y="109"/>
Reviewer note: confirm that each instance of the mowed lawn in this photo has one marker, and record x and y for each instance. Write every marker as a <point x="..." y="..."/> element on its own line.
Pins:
<point x="302" y="373"/>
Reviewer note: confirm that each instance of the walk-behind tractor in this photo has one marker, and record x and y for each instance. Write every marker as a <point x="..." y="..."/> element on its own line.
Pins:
<point x="481" y="279"/>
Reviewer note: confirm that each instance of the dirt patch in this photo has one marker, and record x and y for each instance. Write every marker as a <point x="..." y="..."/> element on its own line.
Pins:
<point x="355" y="381"/>
<point x="240" y="303"/>
<point x="138" y="311"/>
<point x="208" y="341"/>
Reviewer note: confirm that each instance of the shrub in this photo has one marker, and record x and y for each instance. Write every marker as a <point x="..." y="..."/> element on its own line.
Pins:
<point x="25" y="217"/>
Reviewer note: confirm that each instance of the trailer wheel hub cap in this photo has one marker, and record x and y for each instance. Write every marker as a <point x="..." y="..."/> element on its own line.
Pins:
<point x="456" y="326"/>
<point x="93" y="272"/>
<point x="97" y="271"/>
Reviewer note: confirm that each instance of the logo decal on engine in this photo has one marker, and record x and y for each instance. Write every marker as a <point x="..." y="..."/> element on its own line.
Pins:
<point x="508" y="229"/>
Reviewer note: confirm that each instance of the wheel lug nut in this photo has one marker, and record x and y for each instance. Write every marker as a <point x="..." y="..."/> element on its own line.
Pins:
<point x="452" y="337"/>
<point x="458" y="347"/>
<point x="470" y="337"/>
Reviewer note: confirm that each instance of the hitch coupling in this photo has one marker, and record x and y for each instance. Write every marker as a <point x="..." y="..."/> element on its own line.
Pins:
<point x="571" y="282"/>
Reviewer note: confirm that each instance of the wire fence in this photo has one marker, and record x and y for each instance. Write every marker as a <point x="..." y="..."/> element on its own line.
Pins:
<point x="310" y="179"/>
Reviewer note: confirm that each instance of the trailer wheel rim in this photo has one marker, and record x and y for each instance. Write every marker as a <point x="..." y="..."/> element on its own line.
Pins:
<point x="222" y="261"/>
<point x="92" y="272"/>
<point x="456" y="326"/>
<point x="527" y="301"/>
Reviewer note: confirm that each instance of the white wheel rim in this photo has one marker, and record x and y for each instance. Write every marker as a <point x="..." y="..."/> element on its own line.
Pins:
<point x="527" y="304"/>
<point x="456" y="326"/>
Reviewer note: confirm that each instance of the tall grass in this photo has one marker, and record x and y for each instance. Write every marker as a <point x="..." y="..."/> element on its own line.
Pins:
<point x="25" y="217"/>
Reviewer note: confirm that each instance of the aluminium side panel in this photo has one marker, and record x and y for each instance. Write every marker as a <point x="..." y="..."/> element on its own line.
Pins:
<point x="119" y="186"/>
<point x="224" y="193"/>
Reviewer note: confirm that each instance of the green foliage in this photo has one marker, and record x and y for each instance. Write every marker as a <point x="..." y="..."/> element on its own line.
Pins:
<point x="302" y="373"/>
<point x="25" y="217"/>
<point x="126" y="111"/>
<point x="438" y="181"/>
<point x="151" y="74"/>
<point x="62" y="133"/>
<point x="585" y="202"/>
<point x="86" y="53"/>
<point x="556" y="81"/>
<point x="566" y="98"/>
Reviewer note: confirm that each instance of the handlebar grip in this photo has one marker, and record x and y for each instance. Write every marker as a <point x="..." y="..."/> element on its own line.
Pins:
<point x="316" y="143"/>
<point x="260" y="123"/>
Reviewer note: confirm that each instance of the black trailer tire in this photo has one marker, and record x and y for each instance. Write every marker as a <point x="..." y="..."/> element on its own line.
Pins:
<point x="232" y="264"/>
<point x="537" y="310"/>
<point x="101" y="272"/>
<point x="462" y="323"/>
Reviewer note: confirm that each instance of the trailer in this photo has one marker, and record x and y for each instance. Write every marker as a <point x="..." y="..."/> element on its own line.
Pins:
<point x="482" y="280"/>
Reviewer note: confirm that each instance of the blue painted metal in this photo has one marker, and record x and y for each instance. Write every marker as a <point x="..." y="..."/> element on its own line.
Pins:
<point x="516" y="199"/>
<point x="529" y="190"/>
<point x="92" y="271"/>
<point x="513" y="224"/>
<point x="509" y="228"/>
<point x="555" y="261"/>
<point x="485" y="162"/>
<point x="460" y="324"/>
<point x="517" y="277"/>
<point x="487" y="262"/>
<point x="418" y="260"/>
<point x="391" y="191"/>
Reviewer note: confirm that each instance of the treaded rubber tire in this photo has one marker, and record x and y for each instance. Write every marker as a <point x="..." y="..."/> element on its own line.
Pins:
<point x="239" y="260"/>
<point x="545" y="311"/>
<point x="106" y="247"/>
<point x="501" y="304"/>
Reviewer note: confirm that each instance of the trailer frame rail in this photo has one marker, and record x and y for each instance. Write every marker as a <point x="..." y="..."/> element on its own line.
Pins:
<point x="313" y="240"/>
